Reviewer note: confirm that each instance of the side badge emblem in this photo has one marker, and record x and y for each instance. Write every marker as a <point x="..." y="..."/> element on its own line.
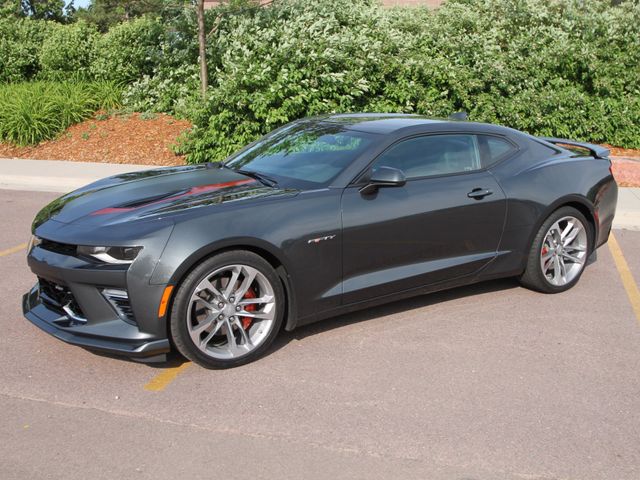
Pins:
<point x="321" y="239"/>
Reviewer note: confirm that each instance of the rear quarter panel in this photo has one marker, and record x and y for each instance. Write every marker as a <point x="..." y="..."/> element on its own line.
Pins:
<point x="537" y="181"/>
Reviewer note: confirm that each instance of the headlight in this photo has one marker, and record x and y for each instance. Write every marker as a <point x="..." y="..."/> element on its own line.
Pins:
<point x="33" y="242"/>
<point x="110" y="254"/>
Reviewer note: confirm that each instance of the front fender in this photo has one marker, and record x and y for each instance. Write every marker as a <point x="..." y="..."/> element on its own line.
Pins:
<point x="281" y="232"/>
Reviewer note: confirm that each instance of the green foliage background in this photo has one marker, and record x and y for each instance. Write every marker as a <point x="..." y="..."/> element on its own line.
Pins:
<point x="550" y="67"/>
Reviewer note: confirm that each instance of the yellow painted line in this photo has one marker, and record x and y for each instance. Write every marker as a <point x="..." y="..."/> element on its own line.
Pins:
<point x="164" y="378"/>
<point x="11" y="250"/>
<point x="629" y="283"/>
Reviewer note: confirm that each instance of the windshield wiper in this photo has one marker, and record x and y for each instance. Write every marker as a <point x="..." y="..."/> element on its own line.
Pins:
<point x="261" y="177"/>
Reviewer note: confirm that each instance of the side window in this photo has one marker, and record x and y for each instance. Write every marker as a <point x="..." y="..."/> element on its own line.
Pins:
<point x="433" y="155"/>
<point x="493" y="149"/>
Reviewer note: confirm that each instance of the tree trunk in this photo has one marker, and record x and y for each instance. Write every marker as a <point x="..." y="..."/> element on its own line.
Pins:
<point x="204" y="79"/>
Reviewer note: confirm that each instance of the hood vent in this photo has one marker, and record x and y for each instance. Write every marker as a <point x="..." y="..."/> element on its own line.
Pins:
<point x="147" y="200"/>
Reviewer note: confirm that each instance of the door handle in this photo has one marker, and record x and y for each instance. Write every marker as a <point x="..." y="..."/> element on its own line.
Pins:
<point x="479" y="193"/>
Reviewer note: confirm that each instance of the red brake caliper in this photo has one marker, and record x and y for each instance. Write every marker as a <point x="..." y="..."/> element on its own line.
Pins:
<point x="246" y="321"/>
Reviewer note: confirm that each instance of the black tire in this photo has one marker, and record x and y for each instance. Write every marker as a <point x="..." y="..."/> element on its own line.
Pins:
<point x="533" y="276"/>
<point x="179" y="311"/>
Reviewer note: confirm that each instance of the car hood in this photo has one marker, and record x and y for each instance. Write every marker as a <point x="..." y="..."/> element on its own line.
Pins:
<point x="154" y="192"/>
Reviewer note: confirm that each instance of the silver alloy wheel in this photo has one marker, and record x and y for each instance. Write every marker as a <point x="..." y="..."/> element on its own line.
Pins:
<point x="564" y="251"/>
<point x="231" y="311"/>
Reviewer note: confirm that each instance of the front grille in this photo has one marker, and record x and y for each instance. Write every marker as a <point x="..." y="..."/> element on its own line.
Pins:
<point x="60" y="298"/>
<point x="119" y="300"/>
<point x="57" y="247"/>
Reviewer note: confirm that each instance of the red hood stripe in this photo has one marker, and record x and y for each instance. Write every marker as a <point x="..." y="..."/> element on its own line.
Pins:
<point x="192" y="191"/>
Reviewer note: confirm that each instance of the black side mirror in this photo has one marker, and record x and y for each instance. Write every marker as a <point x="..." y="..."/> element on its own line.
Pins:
<point x="384" y="177"/>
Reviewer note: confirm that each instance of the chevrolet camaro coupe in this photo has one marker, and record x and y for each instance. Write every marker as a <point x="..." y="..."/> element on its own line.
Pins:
<point x="323" y="216"/>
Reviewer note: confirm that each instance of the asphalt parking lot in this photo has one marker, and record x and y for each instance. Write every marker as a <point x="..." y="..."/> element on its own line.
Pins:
<point x="485" y="382"/>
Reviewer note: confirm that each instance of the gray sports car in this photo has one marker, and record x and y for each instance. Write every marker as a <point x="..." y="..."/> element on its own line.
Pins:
<point x="320" y="217"/>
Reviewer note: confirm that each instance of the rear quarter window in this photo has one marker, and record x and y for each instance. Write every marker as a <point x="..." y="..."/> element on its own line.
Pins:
<point x="493" y="149"/>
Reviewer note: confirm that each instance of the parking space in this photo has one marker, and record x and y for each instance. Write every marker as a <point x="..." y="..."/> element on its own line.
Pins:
<point x="491" y="381"/>
<point x="630" y="245"/>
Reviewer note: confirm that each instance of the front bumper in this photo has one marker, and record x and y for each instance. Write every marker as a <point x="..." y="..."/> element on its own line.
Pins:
<point x="51" y="321"/>
<point x="81" y="314"/>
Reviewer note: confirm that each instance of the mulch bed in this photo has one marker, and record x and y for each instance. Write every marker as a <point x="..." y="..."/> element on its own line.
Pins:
<point x="135" y="138"/>
<point x="626" y="171"/>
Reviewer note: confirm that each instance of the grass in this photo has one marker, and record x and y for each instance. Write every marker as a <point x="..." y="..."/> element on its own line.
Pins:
<point x="36" y="111"/>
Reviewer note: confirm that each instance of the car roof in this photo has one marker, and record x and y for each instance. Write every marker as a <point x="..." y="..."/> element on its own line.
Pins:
<point x="387" y="123"/>
<point x="378" y="122"/>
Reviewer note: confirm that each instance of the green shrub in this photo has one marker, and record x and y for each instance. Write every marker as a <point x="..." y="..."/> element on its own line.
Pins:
<point x="36" y="111"/>
<point x="173" y="85"/>
<point x="294" y="59"/>
<point x="20" y="43"/>
<point x="128" y="51"/>
<point x="67" y="51"/>
<point x="564" y="68"/>
<point x="554" y="67"/>
<point x="169" y="90"/>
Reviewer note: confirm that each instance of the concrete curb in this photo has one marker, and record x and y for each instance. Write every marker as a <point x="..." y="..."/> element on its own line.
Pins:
<point x="57" y="176"/>
<point x="628" y="211"/>
<point x="62" y="177"/>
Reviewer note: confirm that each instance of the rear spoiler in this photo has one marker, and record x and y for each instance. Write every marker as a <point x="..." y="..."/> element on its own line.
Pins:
<point x="596" y="150"/>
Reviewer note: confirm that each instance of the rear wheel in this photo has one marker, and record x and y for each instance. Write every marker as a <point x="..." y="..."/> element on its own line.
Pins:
<point x="228" y="310"/>
<point x="559" y="252"/>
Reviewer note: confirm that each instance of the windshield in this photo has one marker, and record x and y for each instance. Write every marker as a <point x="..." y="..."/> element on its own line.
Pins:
<point x="302" y="154"/>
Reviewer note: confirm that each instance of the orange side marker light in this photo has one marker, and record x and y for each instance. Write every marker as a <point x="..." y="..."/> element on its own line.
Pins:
<point x="162" y="309"/>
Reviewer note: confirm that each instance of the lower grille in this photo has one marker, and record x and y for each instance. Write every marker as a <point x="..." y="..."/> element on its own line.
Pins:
<point x="60" y="298"/>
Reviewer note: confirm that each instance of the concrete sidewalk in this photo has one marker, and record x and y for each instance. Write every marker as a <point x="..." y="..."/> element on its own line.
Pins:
<point x="59" y="176"/>
<point x="628" y="211"/>
<point x="56" y="176"/>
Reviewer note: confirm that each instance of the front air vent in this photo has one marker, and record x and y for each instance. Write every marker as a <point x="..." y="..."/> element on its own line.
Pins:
<point x="119" y="300"/>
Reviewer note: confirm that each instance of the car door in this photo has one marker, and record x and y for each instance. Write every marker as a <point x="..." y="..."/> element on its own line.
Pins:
<point x="445" y="222"/>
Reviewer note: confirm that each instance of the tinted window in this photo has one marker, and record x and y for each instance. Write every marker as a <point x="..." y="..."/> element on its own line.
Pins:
<point x="493" y="149"/>
<point x="433" y="155"/>
<point x="302" y="154"/>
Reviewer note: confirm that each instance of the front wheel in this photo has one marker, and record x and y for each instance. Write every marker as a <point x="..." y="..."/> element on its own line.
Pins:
<point x="228" y="310"/>
<point x="559" y="252"/>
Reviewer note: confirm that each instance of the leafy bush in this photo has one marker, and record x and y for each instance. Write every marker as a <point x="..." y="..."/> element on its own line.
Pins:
<point x="294" y="59"/>
<point x="128" y="51"/>
<point x="554" y="67"/>
<point x="67" y="51"/>
<point x="561" y="67"/>
<point x="20" y="43"/>
<point x="36" y="111"/>
<point x="566" y="68"/>
<point x="173" y="86"/>
<point x="169" y="90"/>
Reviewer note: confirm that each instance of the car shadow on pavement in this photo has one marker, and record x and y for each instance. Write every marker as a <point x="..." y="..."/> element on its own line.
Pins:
<point x="392" y="308"/>
<point x="174" y="359"/>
